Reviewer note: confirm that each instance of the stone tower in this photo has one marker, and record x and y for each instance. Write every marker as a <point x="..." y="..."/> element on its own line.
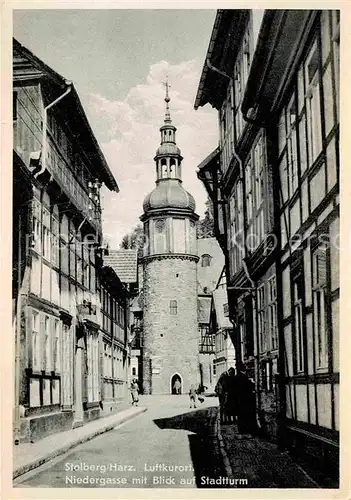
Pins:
<point x="171" y="344"/>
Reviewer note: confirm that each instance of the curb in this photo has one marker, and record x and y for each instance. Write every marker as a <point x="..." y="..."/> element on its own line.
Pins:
<point x="226" y="462"/>
<point x="60" y="451"/>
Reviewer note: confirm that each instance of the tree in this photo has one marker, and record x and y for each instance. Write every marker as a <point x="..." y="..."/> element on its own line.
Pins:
<point x="205" y="226"/>
<point x="134" y="239"/>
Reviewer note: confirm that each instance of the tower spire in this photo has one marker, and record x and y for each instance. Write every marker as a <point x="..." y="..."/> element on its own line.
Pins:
<point x="167" y="99"/>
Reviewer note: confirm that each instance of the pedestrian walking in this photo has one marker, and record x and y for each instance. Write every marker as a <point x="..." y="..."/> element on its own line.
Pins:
<point x="192" y="396"/>
<point x="134" y="391"/>
<point x="231" y="402"/>
<point x="201" y="393"/>
<point x="176" y="386"/>
<point x="246" y="407"/>
<point x="221" y="390"/>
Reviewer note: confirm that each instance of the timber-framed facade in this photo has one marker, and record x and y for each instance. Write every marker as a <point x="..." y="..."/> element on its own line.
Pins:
<point x="275" y="184"/>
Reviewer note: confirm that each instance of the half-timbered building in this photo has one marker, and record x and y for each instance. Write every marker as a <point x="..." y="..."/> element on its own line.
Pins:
<point x="59" y="252"/>
<point x="274" y="78"/>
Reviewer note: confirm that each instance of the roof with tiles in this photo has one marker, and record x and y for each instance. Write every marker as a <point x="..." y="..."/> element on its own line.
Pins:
<point x="124" y="263"/>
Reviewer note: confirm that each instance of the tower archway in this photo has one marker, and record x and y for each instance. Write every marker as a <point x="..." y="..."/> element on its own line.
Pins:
<point x="176" y="384"/>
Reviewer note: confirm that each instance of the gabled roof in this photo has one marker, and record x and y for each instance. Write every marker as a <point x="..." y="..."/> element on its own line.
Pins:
<point x="124" y="263"/>
<point x="27" y="66"/>
<point x="207" y="277"/>
<point x="221" y="53"/>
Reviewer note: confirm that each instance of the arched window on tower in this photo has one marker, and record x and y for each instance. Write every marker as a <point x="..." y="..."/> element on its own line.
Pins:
<point x="164" y="168"/>
<point x="206" y="260"/>
<point x="173" y="168"/>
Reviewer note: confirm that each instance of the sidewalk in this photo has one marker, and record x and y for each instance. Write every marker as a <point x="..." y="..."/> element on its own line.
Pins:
<point x="28" y="456"/>
<point x="259" y="461"/>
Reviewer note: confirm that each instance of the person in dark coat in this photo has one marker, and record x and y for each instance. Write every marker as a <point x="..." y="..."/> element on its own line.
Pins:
<point x="226" y="395"/>
<point x="246" y="401"/>
<point x="231" y="402"/>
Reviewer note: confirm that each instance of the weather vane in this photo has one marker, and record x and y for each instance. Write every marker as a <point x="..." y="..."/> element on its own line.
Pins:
<point x="167" y="99"/>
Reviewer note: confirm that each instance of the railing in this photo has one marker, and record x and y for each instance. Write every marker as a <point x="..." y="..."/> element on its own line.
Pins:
<point x="63" y="175"/>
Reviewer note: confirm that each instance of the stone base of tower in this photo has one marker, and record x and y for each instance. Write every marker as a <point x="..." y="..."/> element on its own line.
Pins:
<point x="160" y="375"/>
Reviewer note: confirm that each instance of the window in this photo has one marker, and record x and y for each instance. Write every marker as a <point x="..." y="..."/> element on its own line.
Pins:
<point x="298" y="321"/>
<point x="259" y="164"/>
<point x="249" y="197"/>
<point x="72" y="253"/>
<point x="272" y="314"/>
<point x="173" y="307"/>
<point x="35" y="340"/>
<point x="266" y="375"/>
<point x="164" y="170"/>
<point x="313" y="111"/>
<point x="241" y="72"/>
<point x="79" y="262"/>
<point x="36" y="234"/>
<point x="160" y="236"/>
<point x="288" y="145"/>
<point x="206" y="260"/>
<point x="93" y="367"/>
<point x="255" y="194"/>
<point x="179" y="235"/>
<point x="46" y="235"/>
<point x="227" y="129"/>
<point x="86" y="267"/>
<point x="133" y="371"/>
<point x="47" y="344"/>
<point x="260" y="306"/>
<point x="57" y="346"/>
<point x="319" y="271"/>
<point x="235" y="235"/>
<point x="55" y="241"/>
<point x="292" y="147"/>
<point x="64" y="245"/>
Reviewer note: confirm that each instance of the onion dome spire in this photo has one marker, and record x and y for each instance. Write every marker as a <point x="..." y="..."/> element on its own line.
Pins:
<point x="167" y="99"/>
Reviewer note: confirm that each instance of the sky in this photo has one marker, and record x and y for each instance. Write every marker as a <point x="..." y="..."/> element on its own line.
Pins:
<point x="118" y="60"/>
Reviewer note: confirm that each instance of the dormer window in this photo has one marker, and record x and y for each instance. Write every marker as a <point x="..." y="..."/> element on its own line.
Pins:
<point x="206" y="260"/>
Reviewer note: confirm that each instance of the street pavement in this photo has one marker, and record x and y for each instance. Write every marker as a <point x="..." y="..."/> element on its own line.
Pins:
<point x="169" y="446"/>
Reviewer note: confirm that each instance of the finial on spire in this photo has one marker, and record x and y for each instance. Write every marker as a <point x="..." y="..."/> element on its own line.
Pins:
<point x="167" y="99"/>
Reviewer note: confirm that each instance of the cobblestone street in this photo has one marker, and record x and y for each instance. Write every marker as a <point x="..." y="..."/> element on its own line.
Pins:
<point x="171" y="446"/>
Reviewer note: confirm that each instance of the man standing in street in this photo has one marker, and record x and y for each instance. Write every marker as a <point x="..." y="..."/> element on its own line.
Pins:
<point x="246" y="404"/>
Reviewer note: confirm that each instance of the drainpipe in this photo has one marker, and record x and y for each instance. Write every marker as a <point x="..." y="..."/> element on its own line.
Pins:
<point x="44" y="143"/>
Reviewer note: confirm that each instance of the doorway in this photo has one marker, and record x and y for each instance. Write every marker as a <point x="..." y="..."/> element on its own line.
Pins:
<point x="176" y="384"/>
